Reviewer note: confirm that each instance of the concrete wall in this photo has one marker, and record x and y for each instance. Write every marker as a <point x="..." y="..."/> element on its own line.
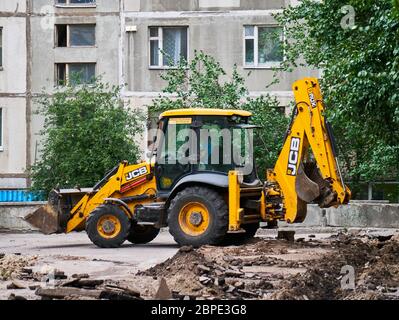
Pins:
<point x="218" y="35"/>
<point x="13" y="156"/>
<point x="356" y="214"/>
<point x="106" y="17"/>
<point x="215" y="27"/>
<point x="13" y="93"/>
<point x="195" y="5"/>
<point x="13" y="75"/>
<point x="12" y="215"/>
<point x="18" y="6"/>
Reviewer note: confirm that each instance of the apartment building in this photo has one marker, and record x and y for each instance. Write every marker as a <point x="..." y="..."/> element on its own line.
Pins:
<point x="14" y="93"/>
<point x="159" y="32"/>
<point x="42" y="42"/>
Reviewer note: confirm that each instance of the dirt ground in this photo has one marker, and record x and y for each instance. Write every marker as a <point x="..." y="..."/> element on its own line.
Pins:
<point x="344" y="264"/>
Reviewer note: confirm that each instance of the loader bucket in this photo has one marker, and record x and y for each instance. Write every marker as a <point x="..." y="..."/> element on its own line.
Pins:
<point x="45" y="219"/>
<point x="54" y="216"/>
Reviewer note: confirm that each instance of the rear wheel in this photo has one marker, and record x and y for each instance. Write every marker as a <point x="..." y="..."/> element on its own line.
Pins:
<point x="108" y="226"/>
<point x="142" y="234"/>
<point x="198" y="216"/>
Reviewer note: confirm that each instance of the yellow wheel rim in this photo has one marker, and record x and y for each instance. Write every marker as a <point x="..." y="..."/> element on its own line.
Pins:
<point x="109" y="226"/>
<point x="194" y="219"/>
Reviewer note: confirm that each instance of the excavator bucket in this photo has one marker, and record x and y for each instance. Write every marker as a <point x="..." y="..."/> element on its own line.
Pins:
<point x="306" y="189"/>
<point x="53" y="217"/>
<point x="311" y="187"/>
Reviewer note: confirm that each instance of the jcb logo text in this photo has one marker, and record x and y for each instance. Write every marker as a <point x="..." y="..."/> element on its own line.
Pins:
<point x="293" y="156"/>
<point x="136" y="173"/>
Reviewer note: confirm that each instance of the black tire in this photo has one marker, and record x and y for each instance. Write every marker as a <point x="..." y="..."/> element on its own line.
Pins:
<point x="217" y="211"/>
<point x="142" y="234"/>
<point x="241" y="238"/>
<point x="94" y="218"/>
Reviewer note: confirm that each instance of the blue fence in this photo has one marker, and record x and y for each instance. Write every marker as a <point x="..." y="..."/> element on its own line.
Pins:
<point x="21" y="196"/>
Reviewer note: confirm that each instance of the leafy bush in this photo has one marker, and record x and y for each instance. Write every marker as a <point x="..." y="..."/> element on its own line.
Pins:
<point x="87" y="131"/>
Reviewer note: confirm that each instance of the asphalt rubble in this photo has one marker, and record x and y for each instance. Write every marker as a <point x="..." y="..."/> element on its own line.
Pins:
<point x="263" y="268"/>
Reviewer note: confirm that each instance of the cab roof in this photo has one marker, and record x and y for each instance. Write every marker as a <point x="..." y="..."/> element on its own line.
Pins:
<point x="204" y="112"/>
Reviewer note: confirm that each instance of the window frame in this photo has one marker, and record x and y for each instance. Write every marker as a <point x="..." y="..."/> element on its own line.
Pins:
<point x="1" y="129"/>
<point x="159" y="38"/>
<point x="67" y="65"/>
<point x="2" y="48"/>
<point x="68" y="4"/>
<point x="255" y="38"/>
<point x="68" y="35"/>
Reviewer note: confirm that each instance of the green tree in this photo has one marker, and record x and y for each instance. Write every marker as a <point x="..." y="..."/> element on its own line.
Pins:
<point x="87" y="131"/>
<point x="203" y="83"/>
<point x="356" y="45"/>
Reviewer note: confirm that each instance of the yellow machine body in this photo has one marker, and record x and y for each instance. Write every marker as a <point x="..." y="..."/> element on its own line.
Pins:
<point x="129" y="181"/>
<point x="306" y="171"/>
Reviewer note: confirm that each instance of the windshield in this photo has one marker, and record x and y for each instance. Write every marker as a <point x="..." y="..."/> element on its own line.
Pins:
<point x="206" y="143"/>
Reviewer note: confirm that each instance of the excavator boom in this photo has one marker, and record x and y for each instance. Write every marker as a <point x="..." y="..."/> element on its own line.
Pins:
<point x="298" y="177"/>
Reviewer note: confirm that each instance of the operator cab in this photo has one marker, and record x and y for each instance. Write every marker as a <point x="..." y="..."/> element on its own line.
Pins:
<point x="203" y="141"/>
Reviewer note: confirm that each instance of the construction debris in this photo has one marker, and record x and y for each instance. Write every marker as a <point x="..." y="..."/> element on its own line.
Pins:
<point x="286" y="235"/>
<point x="15" y="285"/>
<point x="96" y="289"/>
<point x="163" y="292"/>
<point x="12" y="265"/>
<point x="61" y="293"/>
<point x="16" y="298"/>
<point x="314" y="268"/>
<point x="277" y="269"/>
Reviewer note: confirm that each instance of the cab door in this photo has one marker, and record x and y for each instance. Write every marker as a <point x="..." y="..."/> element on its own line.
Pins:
<point x="175" y="152"/>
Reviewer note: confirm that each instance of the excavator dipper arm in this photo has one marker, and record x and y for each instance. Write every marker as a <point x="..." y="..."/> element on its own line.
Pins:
<point x="298" y="178"/>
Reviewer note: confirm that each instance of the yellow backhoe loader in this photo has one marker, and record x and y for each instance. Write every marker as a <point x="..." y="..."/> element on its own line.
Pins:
<point x="191" y="188"/>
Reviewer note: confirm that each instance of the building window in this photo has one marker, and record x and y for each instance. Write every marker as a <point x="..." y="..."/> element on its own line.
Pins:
<point x="75" y="73"/>
<point x="75" y="35"/>
<point x="1" y="129"/>
<point x="75" y="2"/>
<point x="168" y="45"/>
<point x="263" y="46"/>
<point x="1" y="47"/>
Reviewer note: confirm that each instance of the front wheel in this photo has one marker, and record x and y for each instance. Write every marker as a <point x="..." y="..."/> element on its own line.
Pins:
<point x="198" y="216"/>
<point x="108" y="226"/>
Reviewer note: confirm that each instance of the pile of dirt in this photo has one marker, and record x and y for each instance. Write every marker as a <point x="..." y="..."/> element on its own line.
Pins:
<point x="278" y="269"/>
<point x="185" y="273"/>
<point x="375" y="266"/>
<point x="221" y="272"/>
